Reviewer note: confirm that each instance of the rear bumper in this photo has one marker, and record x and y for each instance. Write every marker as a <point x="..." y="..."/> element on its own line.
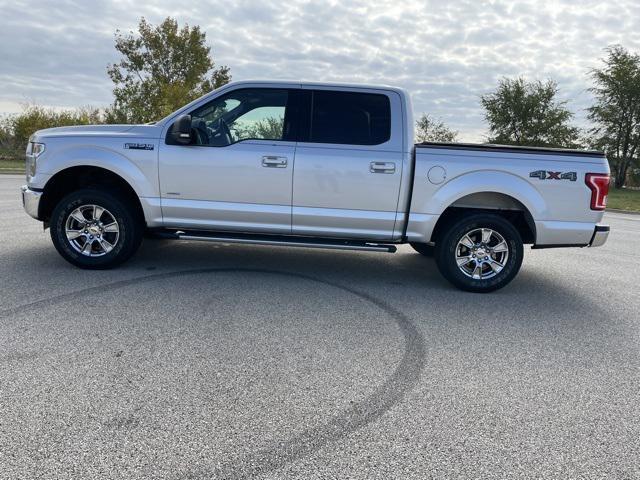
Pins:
<point x="31" y="201"/>
<point x="600" y="235"/>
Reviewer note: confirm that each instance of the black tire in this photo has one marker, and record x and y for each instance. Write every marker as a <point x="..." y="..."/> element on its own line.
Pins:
<point x="424" y="249"/>
<point x="130" y="229"/>
<point x="447" y="251"/>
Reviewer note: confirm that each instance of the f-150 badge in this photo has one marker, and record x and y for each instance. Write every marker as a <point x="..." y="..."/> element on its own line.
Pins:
<point x="139" y="146"/>
<point x="547" y="175"/>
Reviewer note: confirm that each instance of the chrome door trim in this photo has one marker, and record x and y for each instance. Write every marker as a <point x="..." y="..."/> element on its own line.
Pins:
<point x="273" y="161"/>
<point x="382" y="167"/>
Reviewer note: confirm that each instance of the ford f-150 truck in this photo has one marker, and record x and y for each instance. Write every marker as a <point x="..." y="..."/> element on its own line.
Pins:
<point x="312" y="165"/>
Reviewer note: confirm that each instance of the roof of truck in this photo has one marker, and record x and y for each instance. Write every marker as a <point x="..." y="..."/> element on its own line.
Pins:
<point x="308" y="83"/>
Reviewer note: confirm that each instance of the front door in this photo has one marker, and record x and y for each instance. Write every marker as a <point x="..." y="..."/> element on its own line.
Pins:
<point x="236" y="175"/>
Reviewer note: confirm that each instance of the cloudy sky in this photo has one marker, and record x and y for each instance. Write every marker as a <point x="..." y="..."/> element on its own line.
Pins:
<point x="446" y="53"/>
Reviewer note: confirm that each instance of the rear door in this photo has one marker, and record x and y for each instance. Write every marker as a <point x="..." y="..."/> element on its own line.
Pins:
<point x="348" y="163"/>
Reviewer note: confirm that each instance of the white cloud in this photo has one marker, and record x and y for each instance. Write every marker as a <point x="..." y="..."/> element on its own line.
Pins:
<point x="447" y="53"/>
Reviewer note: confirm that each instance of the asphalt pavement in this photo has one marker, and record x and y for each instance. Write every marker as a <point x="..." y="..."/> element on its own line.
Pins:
<point x="198" y="360"/>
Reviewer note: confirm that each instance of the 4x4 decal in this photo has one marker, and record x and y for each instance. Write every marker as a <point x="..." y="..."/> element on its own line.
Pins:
<point x="548" y="175"/>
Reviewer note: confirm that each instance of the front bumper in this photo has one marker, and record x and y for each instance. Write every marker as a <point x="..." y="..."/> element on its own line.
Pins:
<point x="31" y="201"/>
<point x="600" y="235"/>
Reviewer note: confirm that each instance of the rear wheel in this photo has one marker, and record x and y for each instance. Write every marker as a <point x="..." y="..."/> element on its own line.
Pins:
<point x="92" y="228"/>
<point x="480" y="253"/>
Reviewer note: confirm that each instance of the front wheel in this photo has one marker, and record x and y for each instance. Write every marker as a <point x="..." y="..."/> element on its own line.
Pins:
<point x="93" y="229"/>
<point x="480" y="253"/>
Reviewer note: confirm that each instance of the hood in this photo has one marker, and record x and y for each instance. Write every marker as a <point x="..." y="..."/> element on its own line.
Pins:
<point x="98" y="130"/>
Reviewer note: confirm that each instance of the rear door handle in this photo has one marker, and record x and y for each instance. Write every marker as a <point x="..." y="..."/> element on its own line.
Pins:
<point x="382" y="167"/>
<point x="274" y="162"/>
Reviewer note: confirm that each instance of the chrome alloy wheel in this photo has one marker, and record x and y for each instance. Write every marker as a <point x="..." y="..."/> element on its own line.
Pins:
<point x="92" y="230"/>
<point x="482" y="253"/>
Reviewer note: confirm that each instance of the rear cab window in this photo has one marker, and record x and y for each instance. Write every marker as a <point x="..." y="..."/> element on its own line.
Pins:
<point x="344" y="117"/>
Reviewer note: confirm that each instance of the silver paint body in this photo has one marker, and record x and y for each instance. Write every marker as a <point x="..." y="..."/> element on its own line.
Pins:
<point x="323" y="190"/>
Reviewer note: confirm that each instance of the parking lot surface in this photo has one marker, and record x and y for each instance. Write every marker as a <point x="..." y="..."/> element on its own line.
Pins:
<point x="198" y="360"/>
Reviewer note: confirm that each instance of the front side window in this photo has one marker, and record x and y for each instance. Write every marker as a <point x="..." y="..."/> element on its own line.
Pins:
<point x="351" y="118"/>
<point x="241" y="115"/>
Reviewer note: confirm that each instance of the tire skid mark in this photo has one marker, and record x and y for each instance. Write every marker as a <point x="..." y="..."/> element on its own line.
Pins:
<point x="360" y="414"/>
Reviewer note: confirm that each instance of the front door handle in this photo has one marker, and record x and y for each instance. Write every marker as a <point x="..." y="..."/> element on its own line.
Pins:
<point x="274" y="162"/>
<point x="382" y="167"/>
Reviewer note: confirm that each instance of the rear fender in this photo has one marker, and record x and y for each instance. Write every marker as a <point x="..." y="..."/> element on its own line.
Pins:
<point x="424" y="216"/>
<point x="492" y="182"/>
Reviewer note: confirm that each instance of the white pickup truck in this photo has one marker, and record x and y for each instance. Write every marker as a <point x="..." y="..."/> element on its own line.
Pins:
<point x="312" y="165"/>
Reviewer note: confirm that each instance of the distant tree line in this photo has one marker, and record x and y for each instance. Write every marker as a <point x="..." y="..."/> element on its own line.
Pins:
<point x="163" y="67"/>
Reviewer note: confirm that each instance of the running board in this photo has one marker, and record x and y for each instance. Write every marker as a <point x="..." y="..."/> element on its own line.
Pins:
<point x="280" y="241"/>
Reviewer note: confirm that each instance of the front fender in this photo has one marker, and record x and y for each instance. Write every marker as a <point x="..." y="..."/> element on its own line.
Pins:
<point x="139" y="169"/>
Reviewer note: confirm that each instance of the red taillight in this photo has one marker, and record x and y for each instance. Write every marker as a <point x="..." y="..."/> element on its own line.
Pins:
<point x="598" y="183"/>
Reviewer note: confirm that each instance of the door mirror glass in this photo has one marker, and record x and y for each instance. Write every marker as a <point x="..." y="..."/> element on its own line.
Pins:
<point x="180" y="131"/>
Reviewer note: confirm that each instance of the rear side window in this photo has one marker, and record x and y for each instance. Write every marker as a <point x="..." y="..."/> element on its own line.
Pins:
<point x="349" y="118"/>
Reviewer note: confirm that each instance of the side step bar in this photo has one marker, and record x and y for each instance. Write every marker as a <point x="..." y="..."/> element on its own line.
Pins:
<point x="277" y="240"/>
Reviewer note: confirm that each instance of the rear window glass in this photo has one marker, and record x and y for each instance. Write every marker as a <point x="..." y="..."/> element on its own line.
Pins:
<point x="350" y="118"/>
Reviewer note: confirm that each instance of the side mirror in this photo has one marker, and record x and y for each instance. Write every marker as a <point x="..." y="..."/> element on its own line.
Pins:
<point x="180" y="131"/>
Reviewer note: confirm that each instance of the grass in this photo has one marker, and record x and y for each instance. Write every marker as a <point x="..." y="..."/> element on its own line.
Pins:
<point x="11" y="166"/>
<point x="624" y="199"/>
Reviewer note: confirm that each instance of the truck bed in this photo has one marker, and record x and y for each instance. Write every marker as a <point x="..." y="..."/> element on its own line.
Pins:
<point x="548" y="185"/>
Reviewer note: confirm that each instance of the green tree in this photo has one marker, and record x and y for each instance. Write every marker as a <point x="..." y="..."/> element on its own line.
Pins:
<point x="35" y="117"/>
<point x="9" y="148"/>
<point x="528" y="113"/>
<point x="15" y="130"/>
<point x="616" y="112"/>
<point x="270" y="127"/>
<point x="162" y="68"/>
<point x="431" y="130"/>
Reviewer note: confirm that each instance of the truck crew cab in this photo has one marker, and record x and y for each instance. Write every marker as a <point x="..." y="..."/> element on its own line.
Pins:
<point x="313" y="165"/>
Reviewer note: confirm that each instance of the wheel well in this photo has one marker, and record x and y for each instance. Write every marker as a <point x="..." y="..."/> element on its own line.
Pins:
<point x="75" y="178"/>
<point x="489" y="202"/>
